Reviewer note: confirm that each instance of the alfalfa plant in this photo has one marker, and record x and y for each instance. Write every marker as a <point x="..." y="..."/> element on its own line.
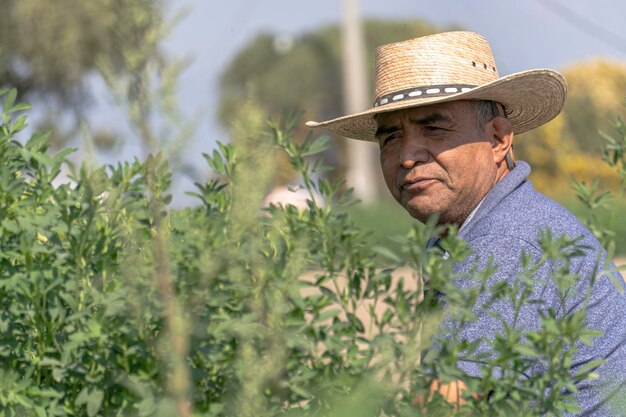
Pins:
<point x="117" y="304"/>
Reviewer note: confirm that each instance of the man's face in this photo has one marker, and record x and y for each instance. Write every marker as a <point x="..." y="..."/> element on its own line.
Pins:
<point x="436" y="159"/>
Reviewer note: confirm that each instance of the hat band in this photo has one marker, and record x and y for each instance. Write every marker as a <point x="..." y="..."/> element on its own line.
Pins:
<point x="426" y="91"/>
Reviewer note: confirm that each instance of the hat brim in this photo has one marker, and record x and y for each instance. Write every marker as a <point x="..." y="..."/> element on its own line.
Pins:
<point x="530" y="99"/>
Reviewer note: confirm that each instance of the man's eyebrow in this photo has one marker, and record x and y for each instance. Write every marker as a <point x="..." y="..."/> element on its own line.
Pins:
<point x="424" y="120"/>
<point x="431" y="118"/>
<point x="386" y="129"/>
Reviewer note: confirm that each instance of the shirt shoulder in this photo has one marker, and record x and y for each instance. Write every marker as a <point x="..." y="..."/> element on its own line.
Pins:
<point x="523" y="214"/>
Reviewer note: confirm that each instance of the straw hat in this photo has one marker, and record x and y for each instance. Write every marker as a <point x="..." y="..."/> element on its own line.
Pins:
<point x="452" y="66"/>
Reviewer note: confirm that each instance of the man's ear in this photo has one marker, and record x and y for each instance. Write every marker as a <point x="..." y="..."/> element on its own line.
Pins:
<point x="502" y="135"/>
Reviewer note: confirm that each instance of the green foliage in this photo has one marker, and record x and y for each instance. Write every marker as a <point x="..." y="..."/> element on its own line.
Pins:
<point x="599" y="209"/>
<point x="118" y="305"/>
<point x="83" y="33"/>
<point x="48" y="49"/>
<point x="615" y="150"/>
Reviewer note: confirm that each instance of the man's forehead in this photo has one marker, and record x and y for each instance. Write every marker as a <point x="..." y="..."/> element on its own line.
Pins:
<point x="449" y="108"/>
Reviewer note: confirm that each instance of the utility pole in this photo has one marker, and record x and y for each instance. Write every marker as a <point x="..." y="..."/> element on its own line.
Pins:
<point x="361" y="155"/>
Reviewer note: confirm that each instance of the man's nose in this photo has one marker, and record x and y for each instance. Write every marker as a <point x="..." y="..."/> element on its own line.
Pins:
<point x="412" y="152"/>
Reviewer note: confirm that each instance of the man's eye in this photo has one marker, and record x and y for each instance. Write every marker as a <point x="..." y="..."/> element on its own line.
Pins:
<point x="387" y="139"/>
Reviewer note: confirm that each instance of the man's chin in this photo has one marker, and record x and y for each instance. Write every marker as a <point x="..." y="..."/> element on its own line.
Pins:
<point x="419" y="213"/>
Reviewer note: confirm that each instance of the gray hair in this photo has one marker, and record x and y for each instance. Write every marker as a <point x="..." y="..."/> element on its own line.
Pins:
<point x="485" y="110"/>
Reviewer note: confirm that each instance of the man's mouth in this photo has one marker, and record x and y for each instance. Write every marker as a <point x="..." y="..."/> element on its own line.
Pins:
<point x="417" y="185"/>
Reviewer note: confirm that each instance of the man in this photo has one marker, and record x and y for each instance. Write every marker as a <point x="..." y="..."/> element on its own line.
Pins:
<point x="445" y="122"/>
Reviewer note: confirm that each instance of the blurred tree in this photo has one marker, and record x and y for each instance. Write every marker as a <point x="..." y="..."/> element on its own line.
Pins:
<point x="596" y="96"/>
<point x="49" y="49"/>
<point x="304" y="74"/>
<point x="570" y="144"/>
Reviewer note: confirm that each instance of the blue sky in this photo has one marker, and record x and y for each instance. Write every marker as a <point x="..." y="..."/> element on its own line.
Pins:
<point x="523" y="35"/>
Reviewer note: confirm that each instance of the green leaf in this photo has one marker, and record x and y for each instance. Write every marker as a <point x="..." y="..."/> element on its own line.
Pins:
<point x="20" y="107"/>
<point x="617" y="282"/>
<point x="42" y="158"/>
<point x="300" y="391"/>
<point x="9" y="100"/>
<point x="316" y="147"/>
<point x="82" y="397"/>
<point x="588" y="335"/>
<point x="94" y="402"/>
<point x="147" y="407"/>
<point x="589" y="367"/>
<point x="329" y="314"/>
<point x="526" y="350"/>
<point x="569" y="407"/>
<point x="216" y="162"/>
<point x="19" y="124"/>
<point x="37" y="140"/>
<point x="386" y="253"/>
<point x="60" y="156"/>
<point x="387" y="316"/>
